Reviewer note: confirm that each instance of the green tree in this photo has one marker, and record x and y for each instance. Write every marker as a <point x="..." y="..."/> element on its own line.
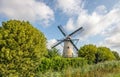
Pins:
<point x="104" y="54"/>
<point x="88" y="52"/>
<point x="21" y="48"/>
<point x="116" y="54"/>
<point x="52" y="53"/>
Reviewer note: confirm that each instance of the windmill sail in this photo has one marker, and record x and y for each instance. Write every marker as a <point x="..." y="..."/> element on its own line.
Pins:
<point x="74" y="45"/>
<point x="62" y="30"/>
<point x="56" y="44"/>
<point x="76" y="32"/>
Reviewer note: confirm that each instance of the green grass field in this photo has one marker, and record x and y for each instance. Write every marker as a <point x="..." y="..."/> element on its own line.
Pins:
<point x="106" y="69"/>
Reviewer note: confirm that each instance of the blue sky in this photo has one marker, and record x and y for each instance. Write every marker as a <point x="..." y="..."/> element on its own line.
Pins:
<point x="99" y="18"/>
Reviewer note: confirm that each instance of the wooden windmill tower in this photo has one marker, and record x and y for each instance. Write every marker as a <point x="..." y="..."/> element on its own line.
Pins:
<point x="68" y="42"/>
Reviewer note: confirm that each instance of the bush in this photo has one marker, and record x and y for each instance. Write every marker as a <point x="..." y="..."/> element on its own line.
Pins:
<point x="88" y="52"/>
<point x="104" y="54"/>
<point x="59" y="63"/>
<point x="96" y="54"/>
<point x="21" y="48"/>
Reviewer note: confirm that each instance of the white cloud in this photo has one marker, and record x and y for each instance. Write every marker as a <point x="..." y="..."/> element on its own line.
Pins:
<point x="112" y="37"/>
<point x="113" y="40"/>
<point x="99" y="22"/>
<point x="70" y="7"/>
<point x="112" y="30"/>
<point x="101" y="9"/>
<point x="30" y="10"/>
<point x="117" y="5"/>
<point x="95" y="23"/>
<point x="70" y="25"/>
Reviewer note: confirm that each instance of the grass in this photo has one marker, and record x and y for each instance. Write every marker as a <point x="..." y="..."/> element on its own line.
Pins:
<point x="114" y="75"/>
<point x="106" y="69"/>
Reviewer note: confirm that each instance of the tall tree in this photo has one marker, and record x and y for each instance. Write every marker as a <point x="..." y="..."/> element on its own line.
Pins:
<point x="88" y="52"/>
<point x="105" y="54"/>
<point x="21" y="48"/>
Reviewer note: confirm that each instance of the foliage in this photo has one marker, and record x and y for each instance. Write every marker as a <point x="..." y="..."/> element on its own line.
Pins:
<point x="52" y="53"/>
<point x="96" y="54"/>
<point x="104" y="54"/>
<point x="116" y="54"/>
<point x="59" y="63"/>
<point x="88" y="52"/>
<point x="21" y="48"/>
<point x="105" y="69"/>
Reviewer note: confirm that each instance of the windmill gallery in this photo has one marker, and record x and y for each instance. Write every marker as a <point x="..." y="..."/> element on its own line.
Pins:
<point x="69" y="45"/>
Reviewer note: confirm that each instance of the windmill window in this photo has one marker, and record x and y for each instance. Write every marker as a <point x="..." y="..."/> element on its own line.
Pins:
<point x="68" y="47"/>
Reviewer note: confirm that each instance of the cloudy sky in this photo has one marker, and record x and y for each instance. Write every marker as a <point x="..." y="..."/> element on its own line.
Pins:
<point x="99" y="18"/>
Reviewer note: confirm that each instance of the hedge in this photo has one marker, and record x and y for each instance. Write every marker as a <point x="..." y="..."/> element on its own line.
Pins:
<point x="59" y="63"/>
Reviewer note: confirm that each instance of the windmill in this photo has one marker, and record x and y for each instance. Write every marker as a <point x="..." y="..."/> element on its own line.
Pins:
<point x="68" y="41"/>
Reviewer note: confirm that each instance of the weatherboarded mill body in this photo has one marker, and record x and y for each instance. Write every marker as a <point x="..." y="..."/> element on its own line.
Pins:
<point x="68" y="49"/>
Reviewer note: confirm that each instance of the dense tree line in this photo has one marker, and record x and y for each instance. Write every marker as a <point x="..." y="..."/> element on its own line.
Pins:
<point x="97" y="54"/>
